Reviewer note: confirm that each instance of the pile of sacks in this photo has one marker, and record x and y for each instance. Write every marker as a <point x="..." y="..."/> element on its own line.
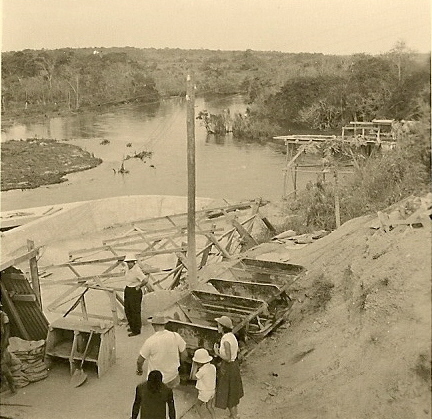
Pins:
<point x="27" y="365"/>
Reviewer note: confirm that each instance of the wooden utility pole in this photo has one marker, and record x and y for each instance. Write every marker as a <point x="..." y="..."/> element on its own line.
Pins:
<point x="190" y="101"/>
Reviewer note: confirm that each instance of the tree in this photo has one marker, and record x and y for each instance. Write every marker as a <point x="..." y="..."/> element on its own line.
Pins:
<point x="401" y="55"/>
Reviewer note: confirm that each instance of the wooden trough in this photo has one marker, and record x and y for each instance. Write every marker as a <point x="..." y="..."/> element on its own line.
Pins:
<point x="253" y="293"/>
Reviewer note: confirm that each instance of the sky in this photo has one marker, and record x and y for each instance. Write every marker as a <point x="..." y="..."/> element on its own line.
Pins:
<point x="323" y="26"/>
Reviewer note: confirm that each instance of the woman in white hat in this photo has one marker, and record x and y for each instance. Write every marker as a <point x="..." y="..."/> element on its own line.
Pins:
<point x="206" y="382"/>
<point x="229" y="386"/>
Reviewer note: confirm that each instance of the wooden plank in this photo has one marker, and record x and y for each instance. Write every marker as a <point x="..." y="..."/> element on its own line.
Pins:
<point x="34" y="273"/>
<point x="113" y="307"/>
<point x="268" y="224"/>
<point x="19" y="259"/>
<point x="76" y="303"/>
<point x="161" y="252"/>
<point x="90" y="315"/>
<point x="245" y="235"/>
<point x="61" y="297"/>
<point x="205" y="253"/>
<point x="85" y="262"/>
<point x="216" y="243"/>
<point x="24" y="297"/>
<point x="82" y="279"/>
<point x="74" y="271"/>
<point x="172" y="272"/>
<point x="89" y="250"/>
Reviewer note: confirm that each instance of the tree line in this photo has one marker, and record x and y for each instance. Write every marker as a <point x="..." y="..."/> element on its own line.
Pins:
<point x="395" y="85"/>
<point x="283" y="90"/>
<point x="75" y="78"/>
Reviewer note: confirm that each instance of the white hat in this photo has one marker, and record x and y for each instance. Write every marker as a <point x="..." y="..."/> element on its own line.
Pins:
<point x="202" y="356"/>
<point x="158" y="319"/>
<point x="225" y="321"/>
<point x="130" y="257"/>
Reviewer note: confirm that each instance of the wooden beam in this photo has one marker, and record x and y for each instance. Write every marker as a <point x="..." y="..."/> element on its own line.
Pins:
<point x="161" y="252"/>
<point x="19" y="259"/>
<point x="82" y="279"/>
<point x="245" y="235"/>
<point x="216" y="243"/>
<point x="24" y="297"/>
<point x="34" y="274"/>
<point x="61" y="297"/>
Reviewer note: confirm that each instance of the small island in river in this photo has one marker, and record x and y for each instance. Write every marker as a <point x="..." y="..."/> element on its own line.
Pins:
<point x="30" y="163"/>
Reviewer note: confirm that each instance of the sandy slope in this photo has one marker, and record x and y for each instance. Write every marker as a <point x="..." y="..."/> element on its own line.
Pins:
<point x="366" y="353"/>
<point x="358" y="344"/>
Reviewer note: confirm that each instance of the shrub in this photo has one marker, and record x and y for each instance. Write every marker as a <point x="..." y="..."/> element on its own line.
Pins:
<point x="254" y="129"/>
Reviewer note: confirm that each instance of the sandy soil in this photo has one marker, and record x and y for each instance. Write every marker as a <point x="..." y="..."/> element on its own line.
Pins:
<point x="357" y="344"/>
<point x="360" y="350"/>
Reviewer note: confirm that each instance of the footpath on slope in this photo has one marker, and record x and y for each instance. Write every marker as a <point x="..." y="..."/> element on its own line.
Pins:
<point x="359" y="342"/>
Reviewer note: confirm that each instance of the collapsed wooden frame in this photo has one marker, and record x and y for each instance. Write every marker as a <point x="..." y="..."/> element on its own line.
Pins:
<point x="148" y="241"/>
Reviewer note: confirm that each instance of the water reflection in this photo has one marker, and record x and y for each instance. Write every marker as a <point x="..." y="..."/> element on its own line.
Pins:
<point x="225" y="167"/>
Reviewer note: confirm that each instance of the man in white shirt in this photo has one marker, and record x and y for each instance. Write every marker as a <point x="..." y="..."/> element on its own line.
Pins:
<point x="135" y="280"/>
<point x="163" y="351"/>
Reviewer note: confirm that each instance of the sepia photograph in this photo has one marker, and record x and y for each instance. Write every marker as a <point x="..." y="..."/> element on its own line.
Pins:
<point x="215" y="209"/>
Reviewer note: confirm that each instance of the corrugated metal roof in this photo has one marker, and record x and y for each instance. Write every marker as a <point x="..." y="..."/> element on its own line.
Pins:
<point x="28" y="314"/>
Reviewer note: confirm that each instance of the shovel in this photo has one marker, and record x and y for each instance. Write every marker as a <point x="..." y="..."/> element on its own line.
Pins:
<point x="79" y="376"/>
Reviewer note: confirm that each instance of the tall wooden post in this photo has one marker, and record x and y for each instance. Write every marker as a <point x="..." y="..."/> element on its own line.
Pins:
<point x="336" y="195"/>
<point x="190" y="123"/>
<point x="34" y="273"/>
<point x="77" y="92"/>
<point x="285" y="170"/>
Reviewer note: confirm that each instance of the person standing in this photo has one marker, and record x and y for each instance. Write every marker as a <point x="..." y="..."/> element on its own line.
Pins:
<point x="135" y="281"/>
<point x="153" y="398"/>
<point x="163" y="351"/>
<point x="229" y="386"/>
<point x="206" y="382"/>
<point x="5" y="355"/>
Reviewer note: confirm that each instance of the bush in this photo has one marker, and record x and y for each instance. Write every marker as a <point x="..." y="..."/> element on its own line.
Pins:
<point x="254" y="129"/>
<point x="378" y="182"/>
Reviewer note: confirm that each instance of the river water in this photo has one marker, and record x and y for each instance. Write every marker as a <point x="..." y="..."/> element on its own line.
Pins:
<point x="225" y="167"/>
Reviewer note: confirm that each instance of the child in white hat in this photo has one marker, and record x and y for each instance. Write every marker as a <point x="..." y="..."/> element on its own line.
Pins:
<point x="206" y="382"/>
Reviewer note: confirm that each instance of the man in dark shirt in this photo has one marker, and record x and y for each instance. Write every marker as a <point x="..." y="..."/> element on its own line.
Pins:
<point x="152" y="397"/>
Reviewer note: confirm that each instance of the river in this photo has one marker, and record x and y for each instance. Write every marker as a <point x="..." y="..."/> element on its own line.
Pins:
<point x="225" y="167"/>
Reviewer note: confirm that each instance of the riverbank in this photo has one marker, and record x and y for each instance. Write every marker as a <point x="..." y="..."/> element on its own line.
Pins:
<point x="34" y="113"/>
<point x="34" y="162"/>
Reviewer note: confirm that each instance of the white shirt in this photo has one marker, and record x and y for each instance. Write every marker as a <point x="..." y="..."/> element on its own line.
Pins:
<point x="231" y="339"/>
<point x="134" y="276"/>
<point x="206" y="378"/>
<point x="162" y="350"/>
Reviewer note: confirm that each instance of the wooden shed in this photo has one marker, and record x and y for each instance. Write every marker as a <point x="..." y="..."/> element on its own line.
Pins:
<point x="20" y="298"/>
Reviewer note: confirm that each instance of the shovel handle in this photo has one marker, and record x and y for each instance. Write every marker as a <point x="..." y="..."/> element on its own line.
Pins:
<point x="86" y="348"/>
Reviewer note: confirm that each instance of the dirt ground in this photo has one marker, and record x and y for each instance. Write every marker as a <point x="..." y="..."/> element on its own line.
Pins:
<point x="357" y="344"/>
<point x="359" y="341"/>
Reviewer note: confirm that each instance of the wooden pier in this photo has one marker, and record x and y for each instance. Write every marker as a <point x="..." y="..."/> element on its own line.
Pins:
<point x="371" y="135"/>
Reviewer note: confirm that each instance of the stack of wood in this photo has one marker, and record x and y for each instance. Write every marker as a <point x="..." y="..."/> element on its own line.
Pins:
<point x="291" y="237"/>
<point x="30" y="354"/>
<point x="412" y="212"/>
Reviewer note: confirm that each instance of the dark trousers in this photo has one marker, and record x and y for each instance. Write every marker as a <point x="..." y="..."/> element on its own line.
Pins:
<point x="132" y="306"/>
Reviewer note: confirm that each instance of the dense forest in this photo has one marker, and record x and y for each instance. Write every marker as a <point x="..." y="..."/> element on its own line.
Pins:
<point x="283" y="90"/>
